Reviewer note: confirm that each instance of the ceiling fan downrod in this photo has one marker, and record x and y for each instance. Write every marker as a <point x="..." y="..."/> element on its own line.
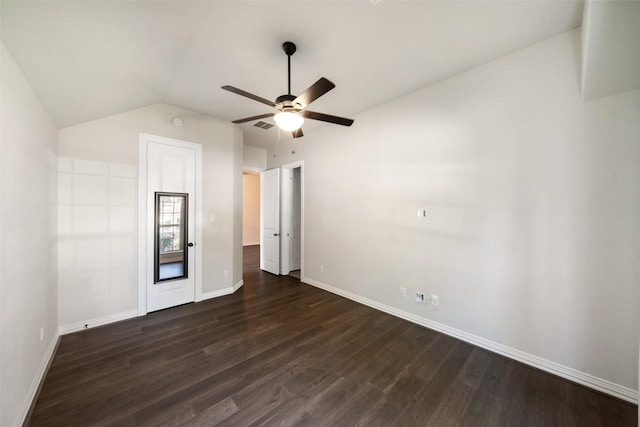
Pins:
<point x="289" y="49"/>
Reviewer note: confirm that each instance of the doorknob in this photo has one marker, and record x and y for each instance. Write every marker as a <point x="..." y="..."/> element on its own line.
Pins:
<point x="190" y="244"/>
<point x="276" y="234"/>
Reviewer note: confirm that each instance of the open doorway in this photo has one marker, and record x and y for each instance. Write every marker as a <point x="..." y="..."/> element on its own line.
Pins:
<point x="282" y="220"/>
<point x="250" y="224"/>
<point x="250" y="209"/>
<point x="291" y="249"/>
<point x="295" y="242"/>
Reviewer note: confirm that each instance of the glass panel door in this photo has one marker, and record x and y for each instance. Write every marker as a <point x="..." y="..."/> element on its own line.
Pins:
<point x="171" y="255"/>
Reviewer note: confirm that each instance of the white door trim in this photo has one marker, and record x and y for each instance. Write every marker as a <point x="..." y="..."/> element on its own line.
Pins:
<point x="286" y="201"/>
<point x="144" y="227"/>
<point x="290" y="167"/>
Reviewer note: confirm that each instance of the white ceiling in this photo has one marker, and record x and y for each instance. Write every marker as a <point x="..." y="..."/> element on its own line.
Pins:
<point x="87" y="60"/>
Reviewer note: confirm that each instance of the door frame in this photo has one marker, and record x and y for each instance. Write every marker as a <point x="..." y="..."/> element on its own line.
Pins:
<point x="284" y="241"/>
<point x="144" y="228"/>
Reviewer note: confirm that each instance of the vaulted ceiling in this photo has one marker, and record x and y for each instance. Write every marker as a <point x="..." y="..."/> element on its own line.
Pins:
<point x="87" y="60"/>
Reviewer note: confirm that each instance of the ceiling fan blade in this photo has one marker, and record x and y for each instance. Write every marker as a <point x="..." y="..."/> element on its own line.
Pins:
<point x="249" y="95"/>
<point x="297" y="133"/>
<point x="250" y="119"/>
<point x="326" y="118"/>
<point x="314" y="92"/>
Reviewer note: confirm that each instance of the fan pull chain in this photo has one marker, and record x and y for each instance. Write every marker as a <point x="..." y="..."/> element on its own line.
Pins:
<point x="275" y="153"/>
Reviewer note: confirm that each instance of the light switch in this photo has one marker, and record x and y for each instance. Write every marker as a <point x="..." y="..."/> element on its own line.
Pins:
<point x="212" y="217"/>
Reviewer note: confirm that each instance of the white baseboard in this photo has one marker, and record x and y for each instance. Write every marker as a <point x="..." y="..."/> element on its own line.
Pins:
<point x="596" y="383"/>
<point x="99" y="321"/>
<point x="116" y="317"/>
<point x="37" y="381"/>
<point x="222" y="292"/>
<point x="238" y="285"/>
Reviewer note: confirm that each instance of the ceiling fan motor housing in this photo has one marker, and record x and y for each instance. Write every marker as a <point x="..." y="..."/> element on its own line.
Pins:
<point x="285" y="103"/>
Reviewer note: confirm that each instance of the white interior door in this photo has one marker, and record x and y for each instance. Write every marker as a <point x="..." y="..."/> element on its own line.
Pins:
<point x="171" y="225"/>
<point x="270" y="221"/>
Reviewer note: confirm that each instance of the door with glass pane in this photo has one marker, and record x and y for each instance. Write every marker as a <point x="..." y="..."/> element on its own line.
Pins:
<point x="171" y="225"/>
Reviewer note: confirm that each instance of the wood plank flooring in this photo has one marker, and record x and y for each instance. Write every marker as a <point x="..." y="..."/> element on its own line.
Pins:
<point x="279" y="352"/>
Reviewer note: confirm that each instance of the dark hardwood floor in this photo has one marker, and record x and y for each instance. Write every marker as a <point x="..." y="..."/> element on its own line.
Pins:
<point x="279" y="352"/>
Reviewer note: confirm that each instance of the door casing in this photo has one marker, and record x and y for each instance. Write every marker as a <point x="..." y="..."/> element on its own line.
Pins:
<point x="287" y="195"/>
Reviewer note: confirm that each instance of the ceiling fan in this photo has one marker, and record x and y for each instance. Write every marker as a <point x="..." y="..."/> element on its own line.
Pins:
<point x="292" y="109"/>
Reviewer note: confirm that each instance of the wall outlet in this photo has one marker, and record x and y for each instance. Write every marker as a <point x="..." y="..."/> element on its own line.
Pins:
<point x="403" y="291"/>
<point x="434" y="300"/>
<point x="421" y="213"/>
<point x="321" y="268"/>
<point x="226" y="273"/>
<point x="41" y="334"/>
<point x="419" y="297"/>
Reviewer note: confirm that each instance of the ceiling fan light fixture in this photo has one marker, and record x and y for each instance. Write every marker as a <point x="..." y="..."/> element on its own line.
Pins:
<point x="288" y="121"/>
<point x="292" y="108"/>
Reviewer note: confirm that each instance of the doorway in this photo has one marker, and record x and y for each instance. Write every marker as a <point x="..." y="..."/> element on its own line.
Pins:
<point x="170" y="197"/>
<point x="250" y="208"/>
<point x="292" y="221"/>
<point x="282" y="220"/>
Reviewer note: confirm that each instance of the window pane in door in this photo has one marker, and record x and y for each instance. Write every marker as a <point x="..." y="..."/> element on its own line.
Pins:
<point x="171" y="254"/>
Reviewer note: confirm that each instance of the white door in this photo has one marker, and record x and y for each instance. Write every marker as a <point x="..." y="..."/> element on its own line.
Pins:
<point x="171" y="225"/>
<point x="270" y="221"/>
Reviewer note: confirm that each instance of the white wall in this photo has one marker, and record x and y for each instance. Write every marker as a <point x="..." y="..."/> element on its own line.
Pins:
<point x="28" y="300"/>
<point x="98" y="208"/>
<point x="532" y="239"/>
<point x="251" y="209"/>
<point x="254" y="158"/>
